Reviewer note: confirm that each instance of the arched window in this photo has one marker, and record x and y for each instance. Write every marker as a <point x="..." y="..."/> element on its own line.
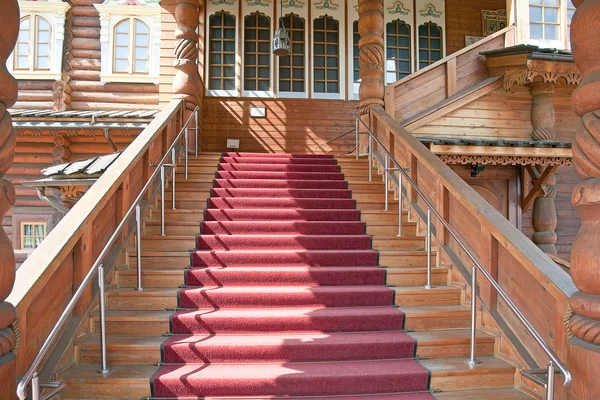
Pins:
<point x="291" y="68"/>
<point x="257" y="52"/>
<point x="222" y="51"/>
<point x="430" y="44"/>
<point x="32" y="51"/>
<point x="131" y="47"/>
<point x="355" y="51"/>
<point x="398" y="60"/>
<point x="326" y="55"/>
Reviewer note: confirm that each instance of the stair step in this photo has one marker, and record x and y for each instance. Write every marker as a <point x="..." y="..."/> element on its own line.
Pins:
<point x="275" y="155"/>
<point x="168" y="243"/>
<point x="487" y="394"/>
<point x="280" y="184"/>
<point x="456" y="374"/>
<point x="425" y="318"/>
<point x="279" y="320"/>
<point x="318" y="379"/>
<point x="260" y="192"/>
<point x="398" y="259"/>
<point x="301" y="258"/>
<point x="159" y="259"/>
<point x="225" y="348"/>
<point x="282" y="214"/>
<point x="419" y="296"/>
<point x="283" y="242"/>
<point x="253" y="203"/>
<point x="415" y="276"/>
<point x="399" y="243"/>
<point x="308" y="168"/>
<point x="283" y="227"/>
<point x="317" y="176"/>
<point x="183" y="228"/>
<point x="278" y="160"/>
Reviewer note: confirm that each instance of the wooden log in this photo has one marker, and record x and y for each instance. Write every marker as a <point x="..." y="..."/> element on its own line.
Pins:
<point x="61" y="152"/>
<point x="118" y="98"/>
<point x="9" y="21"/>
<point x="35" y="85"/>
<point x="84" y="11"/>
<point x="88" y="86"/>
<point x="78" y="105"/>
<point x="85" y="21"/>
<point x="84" y="43"/>
<point x="33" y="105"/>
<point x="35" y="95"/>
<point x="84" y="75"/>
<point x="88" y="64"/>
<point x="584" y="324"/>
<point x="86" y="53"/>
<point x="86" y="32"/>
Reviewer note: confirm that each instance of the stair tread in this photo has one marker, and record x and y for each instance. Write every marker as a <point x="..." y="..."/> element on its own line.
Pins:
<point x="488" y="394"/>
<point x="246" y="289"/>
<point x="421" y="289"/>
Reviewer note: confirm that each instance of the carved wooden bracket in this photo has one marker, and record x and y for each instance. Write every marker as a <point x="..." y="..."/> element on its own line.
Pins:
<point x="539" y="185"/>
<point x="503" y="160"/>
<point x="541" y="71"/>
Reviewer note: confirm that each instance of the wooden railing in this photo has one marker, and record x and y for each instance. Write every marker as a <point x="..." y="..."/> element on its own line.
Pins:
<point x="46" y="281"/>
<point x="537" y="285"/>
<point x="445" y="78"/>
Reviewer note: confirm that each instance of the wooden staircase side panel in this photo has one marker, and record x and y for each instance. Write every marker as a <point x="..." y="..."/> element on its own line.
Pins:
<point x="538" y="286"/>
<point x="444" y="78"/>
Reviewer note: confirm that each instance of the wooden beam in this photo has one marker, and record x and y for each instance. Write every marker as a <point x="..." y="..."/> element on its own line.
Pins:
<point x="537" y="187"/>
<point x="451" y="78"/>
<point x="501" y="151"/>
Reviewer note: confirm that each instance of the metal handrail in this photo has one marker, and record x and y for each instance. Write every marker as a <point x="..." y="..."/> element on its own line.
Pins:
<point x="334" y="138"/>
<point x="31" y="375"/>
<point x="554" y="362"/>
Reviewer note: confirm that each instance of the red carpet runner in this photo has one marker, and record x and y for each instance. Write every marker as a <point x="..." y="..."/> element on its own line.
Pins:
<point x="284" y="297"/>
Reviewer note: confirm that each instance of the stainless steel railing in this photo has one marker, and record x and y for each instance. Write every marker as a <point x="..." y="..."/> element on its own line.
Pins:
<point x="554" y="361"/>
<point x="341" y="135"/>
<point x="31" y="375"/>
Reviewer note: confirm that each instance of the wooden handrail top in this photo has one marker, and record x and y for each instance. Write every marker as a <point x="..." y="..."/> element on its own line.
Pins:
<point x="43" y="262"/>
<point x="507" y="235"/>
<point x="508" y="29"/>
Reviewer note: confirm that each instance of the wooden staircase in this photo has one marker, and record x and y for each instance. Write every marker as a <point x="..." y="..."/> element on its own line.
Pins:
<point x="137" y="320"/>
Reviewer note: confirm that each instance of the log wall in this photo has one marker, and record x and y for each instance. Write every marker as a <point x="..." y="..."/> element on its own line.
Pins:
<point x="81" y="75"/>
<point x="291" y="125"/>
<point x="463" y="18"/>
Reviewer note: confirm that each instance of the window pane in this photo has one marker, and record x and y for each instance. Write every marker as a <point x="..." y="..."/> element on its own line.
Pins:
<point x="319" y="49"/>
<point x="298" y="86"/>
<point x="320" y="87"/>
<point x="39" y="230"/>
<point x="229" y="84"/>
<point x="551" y="2"/>
<point x="535" y="14"/>
<point x="141" y="40"/>
<point x="298" y="73"/>
<point x="141" y="66"/>
<point x="392" y="41"/>
<point x="284" y="86"/>
<point x="229" y="71"/>
<point x="121" y="65"/>
<point x="332" y="87"/>
<point x="229" y="59"/>
<point x="23" y="48"/>
<point x="140" y="27"/>
<point x="28" y="243"/>
<point x="263" y="85"/>
<point x="535" y="1"/>
<point x="43" y="24"/>
<point x="214" y="84"/>
<point x="552" y="32"/>
<point x="28" y="230"/>
<point x="22" y="62"/>
<point x="536" y="31"/>
<point x="43" y="36"/>
<point x="43" y="62"/>
<point x="122" y="39"/>
<point x="123" y="26"/>
<point x="320" y="74"/>
<point x="215" y="72"/>
<point x="435" y="44"/>
<point x="43" y="50"/>
<point x="25" y="24"/>
<point x="332" y="74"/>
<point x="229" y="47"/>
<point x="550" y="14"/>
<point x="23" y="35"/>
<point x="229" y="33"/>
<point x="141" y="53"/>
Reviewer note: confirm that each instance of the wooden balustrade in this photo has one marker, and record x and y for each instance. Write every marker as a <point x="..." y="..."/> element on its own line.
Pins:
<point x="444" y="79"/>
<point x="538" y="286"/>
<point x="48" y="278"/>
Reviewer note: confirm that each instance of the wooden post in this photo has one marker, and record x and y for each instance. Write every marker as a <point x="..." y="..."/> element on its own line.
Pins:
<point x="542" y="111"/>
<point x="9" y="21"/>
<point x="186" y="83"/>
<point x="82" y="262"/>
<point x="584" y="324"/>
<point x="489" y="259"/>
<point x="544" y="218"/>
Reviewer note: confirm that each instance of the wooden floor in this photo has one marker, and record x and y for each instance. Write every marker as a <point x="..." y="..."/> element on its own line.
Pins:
<point x="137" y="319"/>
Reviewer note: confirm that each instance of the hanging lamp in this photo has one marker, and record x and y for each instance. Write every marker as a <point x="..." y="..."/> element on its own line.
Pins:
<point x="281" y="41"/>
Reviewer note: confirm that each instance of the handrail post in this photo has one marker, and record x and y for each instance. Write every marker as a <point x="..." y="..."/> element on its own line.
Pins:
<point x="173" y="176"/>
<point x="356" y="136"/>
<point x="196" y="123"/>
<point x="138" y="239"/>
<point x="472" y="360"/>
<point x="187" y="145"/>
<point x="105" y="368"/>
<point x="386" y="167"/>
<point x="370" y="156"/>
<point x="162" y="201"/>
<point x="400" y="203"/>
<point x="550" y="382"/>
<point x="35" y="387"/>
<point x="428" y="241"/>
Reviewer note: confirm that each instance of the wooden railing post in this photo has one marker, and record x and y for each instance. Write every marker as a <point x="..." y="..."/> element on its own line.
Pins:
<point x="83" y="258"/>
<point x="451" y="82"/>
<point x="9" y="21"/>
<point x="584" y="324"/>
<point x="412" y="193"/>
<point x="489" y="259"/>
<point x="443" y="206"/>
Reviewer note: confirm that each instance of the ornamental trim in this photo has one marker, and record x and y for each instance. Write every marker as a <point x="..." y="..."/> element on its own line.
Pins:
<point x="222" y="2"/>
<point x="430" y="11"/>
<point x="504" y="160"/>
<point x="293" y="4"/>
<point x="326" y="4"/>
<point x="398" y="8"/>
<point x="258" y="3"/>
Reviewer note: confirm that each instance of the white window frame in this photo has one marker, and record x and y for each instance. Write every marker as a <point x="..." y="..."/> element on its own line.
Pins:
<point x="111" y="14"/>
<point x="422" y="19"/>
<point x="524" y="32"/>
<point x="22" y="225"/>
<point x="53" y="11"/>
<point x="300" y="9"/>
<point x="266" y="8"/>
<point x="394" y="10"/>
<point x="230" y="7"/>
<point x="351" y="18"/>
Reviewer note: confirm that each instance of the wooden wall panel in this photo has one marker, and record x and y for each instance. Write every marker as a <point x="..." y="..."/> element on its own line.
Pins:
<point x="167" y="40"/>
<point x="463" y="17"/>
<point x="291" y="125"/>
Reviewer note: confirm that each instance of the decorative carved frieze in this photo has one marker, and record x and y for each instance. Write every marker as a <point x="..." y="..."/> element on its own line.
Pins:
<point x="503" y="160"/>
<point x="537" y="71"/>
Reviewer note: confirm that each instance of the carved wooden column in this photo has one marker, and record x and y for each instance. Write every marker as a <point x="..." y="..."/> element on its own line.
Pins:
<point x="542" y="111"/>
<point x="584" y="324"/>
<point x="186" y="83"/>
<point x="9" y="21"/>
<point x="371" y="57"/>
<point x="544" y="218"/>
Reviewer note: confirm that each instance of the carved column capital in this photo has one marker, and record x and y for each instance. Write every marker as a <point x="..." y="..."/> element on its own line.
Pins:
<point x="371" y="57"/>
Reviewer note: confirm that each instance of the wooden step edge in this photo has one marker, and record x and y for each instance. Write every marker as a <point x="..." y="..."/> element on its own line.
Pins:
<point x="487" y="394"/>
